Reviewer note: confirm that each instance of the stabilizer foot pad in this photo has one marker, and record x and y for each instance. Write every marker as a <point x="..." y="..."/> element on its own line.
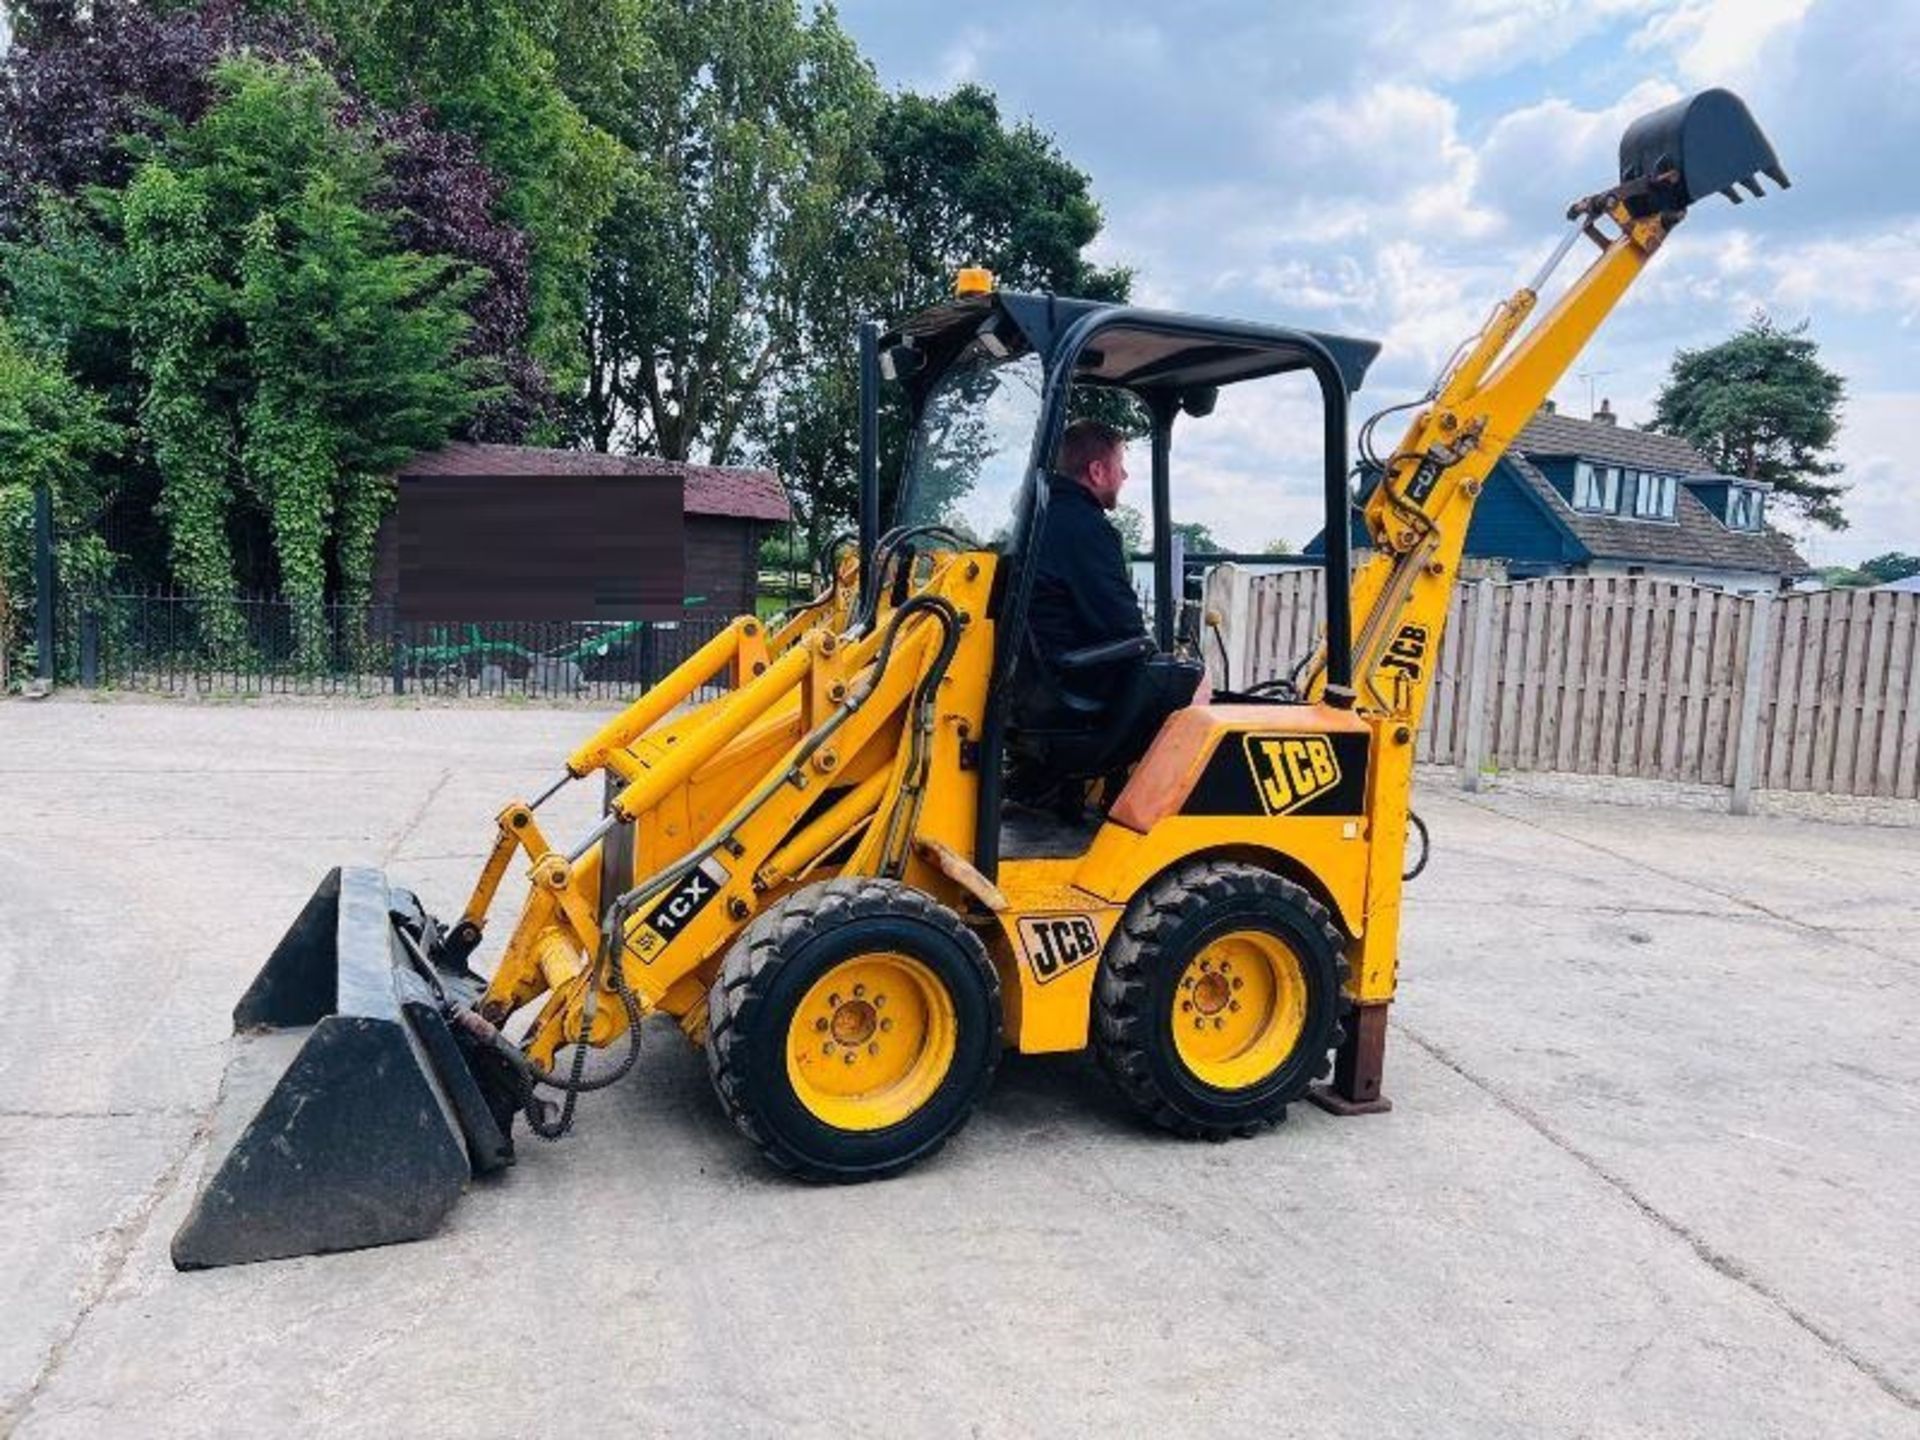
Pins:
<point x="1334" y="1103"/>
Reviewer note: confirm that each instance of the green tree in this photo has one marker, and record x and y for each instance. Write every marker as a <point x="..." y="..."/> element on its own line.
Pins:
<point x="490" y="69"/>
<point x="952" y="185"/>
<point x="1132" y="526"/>
<point x="1199" y="539"/>
<point x="349" y="344"/>
<point x="727" y="259"/>
<point x="1279" y="545"/>
<point x="177" y="306"/>
<point x="53" y="433"/>
<point x="1894" y="565"/>
<point x="287" y="353"/>
<point x="958" y="186"/>
<point x="1763" y="407"/>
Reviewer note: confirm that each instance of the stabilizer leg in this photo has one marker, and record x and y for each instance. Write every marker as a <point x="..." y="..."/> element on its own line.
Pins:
<point x="1357" y="1066"/>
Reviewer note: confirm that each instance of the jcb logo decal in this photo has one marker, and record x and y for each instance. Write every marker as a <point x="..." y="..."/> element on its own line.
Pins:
<point x="1408" y="652"/>
<point x="1289" y="770"/>
<point x="1056" y="943"/>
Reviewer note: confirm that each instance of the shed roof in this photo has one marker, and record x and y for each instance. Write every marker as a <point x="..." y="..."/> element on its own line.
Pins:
<point x="710" y="489"/>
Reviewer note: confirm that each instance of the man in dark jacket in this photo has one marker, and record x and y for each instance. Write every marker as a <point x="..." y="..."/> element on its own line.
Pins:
<point x="1082" y="597"/>
<point x="1082" y="592"/>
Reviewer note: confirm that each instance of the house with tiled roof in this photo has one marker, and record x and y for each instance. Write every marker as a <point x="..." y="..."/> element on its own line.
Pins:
<point x="1594" y="497"/>
<point x="725" y="511"/>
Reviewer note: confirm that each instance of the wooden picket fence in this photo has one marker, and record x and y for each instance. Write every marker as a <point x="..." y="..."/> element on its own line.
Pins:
<point x="1606" y="675"/>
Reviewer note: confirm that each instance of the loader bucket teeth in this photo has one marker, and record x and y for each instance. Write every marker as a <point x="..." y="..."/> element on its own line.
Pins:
<point x="372" y="1131"/>
<point x="1707" y="144"/>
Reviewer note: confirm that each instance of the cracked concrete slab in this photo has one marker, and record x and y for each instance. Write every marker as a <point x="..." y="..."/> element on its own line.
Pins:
<point x="72" y="1184"/>
<point x="1654" y="1103"/>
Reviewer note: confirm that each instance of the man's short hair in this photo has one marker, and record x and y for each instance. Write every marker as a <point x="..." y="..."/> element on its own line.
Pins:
<point x="1085" y="442"/>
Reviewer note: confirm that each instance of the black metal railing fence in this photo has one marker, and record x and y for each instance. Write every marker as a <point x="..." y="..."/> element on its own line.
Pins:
<point x="165" y="642"/>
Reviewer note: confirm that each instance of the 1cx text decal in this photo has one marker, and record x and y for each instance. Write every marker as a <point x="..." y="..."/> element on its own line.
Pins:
<point x="677" y="908"/>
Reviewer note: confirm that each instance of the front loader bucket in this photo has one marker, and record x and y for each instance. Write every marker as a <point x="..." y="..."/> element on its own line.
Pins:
<point x="1693" y="148"/>
<point x="374" y="1128"/>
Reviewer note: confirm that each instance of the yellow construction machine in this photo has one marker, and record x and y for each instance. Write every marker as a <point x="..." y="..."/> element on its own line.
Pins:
<point x="820" y="876"/>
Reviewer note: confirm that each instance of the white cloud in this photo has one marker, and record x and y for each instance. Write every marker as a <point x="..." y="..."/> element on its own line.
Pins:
<point x="1469" y="40"/>
<point x="1539" y="158"/>
<point x="1719" y="42"/>
<point x="1251" y="471"/>
<point x="1875" y="273"/>
<point x="959" y="61"/>
<point x="1876" y="447"/>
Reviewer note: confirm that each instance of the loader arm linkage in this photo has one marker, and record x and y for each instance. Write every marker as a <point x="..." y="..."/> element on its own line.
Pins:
<point x="842" y="730"/>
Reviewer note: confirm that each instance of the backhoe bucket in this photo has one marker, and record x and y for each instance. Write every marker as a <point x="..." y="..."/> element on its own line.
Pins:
<point x="1693" y="148"/>
<point x="373" y="1130"/>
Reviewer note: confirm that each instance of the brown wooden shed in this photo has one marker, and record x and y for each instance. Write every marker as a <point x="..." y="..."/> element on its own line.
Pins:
<point x="724" y="513"/>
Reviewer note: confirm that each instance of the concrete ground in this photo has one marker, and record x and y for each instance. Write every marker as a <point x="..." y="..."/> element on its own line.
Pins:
<point x="1651" y="1169"/>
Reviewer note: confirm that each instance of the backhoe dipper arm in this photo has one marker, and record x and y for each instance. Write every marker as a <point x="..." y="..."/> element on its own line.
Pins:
<point x="1417" y="515"/>
<point x="1417" y="520"/>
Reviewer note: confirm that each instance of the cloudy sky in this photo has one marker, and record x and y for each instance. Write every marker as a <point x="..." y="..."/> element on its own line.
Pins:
<point x="1390" y="168"/>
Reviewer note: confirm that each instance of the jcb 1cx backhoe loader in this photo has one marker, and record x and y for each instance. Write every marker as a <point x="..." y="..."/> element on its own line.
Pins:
<point x="819" y="876"/>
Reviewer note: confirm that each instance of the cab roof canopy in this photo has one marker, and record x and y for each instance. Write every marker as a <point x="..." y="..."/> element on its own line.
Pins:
<point x="1143" y="351"/>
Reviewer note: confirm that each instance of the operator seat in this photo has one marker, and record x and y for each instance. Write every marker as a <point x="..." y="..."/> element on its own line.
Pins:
<point x="1089" y="714"/>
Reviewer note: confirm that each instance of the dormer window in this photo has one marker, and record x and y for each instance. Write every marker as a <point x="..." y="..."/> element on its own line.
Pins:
<point x="1596" y="487"/>
<point x="1654" y="496"/>
<point x="1745" y="506"/>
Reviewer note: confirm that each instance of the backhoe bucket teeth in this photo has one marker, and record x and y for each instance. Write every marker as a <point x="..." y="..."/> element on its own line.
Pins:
<point x="371" y="1133"/>
<point x="1693" y="148"/>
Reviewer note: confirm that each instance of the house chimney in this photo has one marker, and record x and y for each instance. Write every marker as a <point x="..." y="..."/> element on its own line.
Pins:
<point x="1604" y="415"/>
<point x="1547" y="407"/>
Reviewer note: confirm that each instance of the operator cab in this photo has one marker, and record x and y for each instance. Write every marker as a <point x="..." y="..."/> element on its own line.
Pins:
<point x="991" y="378"/>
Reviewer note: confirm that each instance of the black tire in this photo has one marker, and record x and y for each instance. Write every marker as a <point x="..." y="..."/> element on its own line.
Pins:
<point x="1137" y="995"/>
<point x="768" y="974"/>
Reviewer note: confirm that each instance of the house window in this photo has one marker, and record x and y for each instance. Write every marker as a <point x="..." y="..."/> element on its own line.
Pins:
<point x="1596" y="487"/>
<point x="1744" y="507"/>
<point x="1654" y="496"/>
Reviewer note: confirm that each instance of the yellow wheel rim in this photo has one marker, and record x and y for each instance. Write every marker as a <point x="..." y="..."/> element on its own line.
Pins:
<point x="1239" y="1009"/>
<point x="871" y="1041"/>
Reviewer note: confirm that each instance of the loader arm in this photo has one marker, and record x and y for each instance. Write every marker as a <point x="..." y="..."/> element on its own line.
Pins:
<point x="848" y="728"/>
